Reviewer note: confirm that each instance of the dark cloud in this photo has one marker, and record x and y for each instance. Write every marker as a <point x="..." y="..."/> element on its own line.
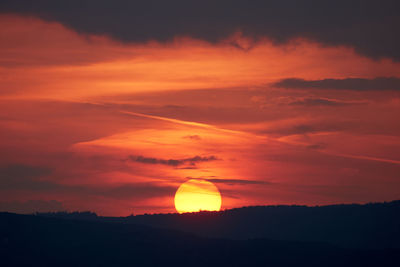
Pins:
<point x="18" y="176"/>
<point x="20" y="171"/>
<point x="304" y="129"/>
<point x="137" y="191"/>
<point x="31" y="206"/>
<point x="24" y="177"/>
<point x="370" y="26"/>
<point x="188" y="168"/>
<point x="311" y="102"/>
<point x="193" y="137"/>
<point x="237" y="181"/>
<point x="172" y="162"/>
<point x="316" y="146"/>
<point x="356" y="84"/>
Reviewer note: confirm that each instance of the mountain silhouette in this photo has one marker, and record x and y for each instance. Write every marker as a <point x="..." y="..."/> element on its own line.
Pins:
<point x="29" y="240"/>
<point x="369" y="226"/>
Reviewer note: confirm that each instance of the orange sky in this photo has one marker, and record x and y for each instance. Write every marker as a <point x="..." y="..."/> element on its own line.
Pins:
<point x="78" y="111"/>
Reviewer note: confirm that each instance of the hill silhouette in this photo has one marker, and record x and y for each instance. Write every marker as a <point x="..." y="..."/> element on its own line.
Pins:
<point x="29" y="240"/>
<point x="369" y="226"/>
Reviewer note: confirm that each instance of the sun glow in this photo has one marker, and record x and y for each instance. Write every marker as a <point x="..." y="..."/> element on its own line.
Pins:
<point x="197" y="195"/>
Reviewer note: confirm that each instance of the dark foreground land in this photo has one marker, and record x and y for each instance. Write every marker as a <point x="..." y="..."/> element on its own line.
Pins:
<point x="84" y="239"/>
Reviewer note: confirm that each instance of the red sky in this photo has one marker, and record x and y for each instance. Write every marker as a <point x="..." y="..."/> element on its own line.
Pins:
<point x="88" y="122"/>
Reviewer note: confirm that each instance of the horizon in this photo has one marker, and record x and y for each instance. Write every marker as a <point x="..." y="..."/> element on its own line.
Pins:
<point x="72" y="212"/>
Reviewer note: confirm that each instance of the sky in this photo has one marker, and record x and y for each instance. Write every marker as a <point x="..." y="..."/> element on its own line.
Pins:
<point x="111" y="106"/>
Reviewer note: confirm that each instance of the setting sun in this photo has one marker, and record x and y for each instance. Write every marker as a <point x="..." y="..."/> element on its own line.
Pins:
<point x="197" y="195"/>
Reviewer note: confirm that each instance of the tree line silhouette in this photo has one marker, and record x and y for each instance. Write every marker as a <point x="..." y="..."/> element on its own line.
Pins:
<point x="31" y="240"/>
<point x="368" y="226"/>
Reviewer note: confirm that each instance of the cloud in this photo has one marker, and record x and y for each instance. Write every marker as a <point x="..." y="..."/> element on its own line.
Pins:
<point x="355" y="84"/>
<point x="128" y="191"/>
<point x="317" y="146"/>
<point x="20" y="171"/>
<point x="32" y="206"/>
<point x="312" y="101"/>
<point x="137" y="191"/>
<point x="306" y="128"/>
<point x="193" y="137"/>
<point x="172" y="162"/>
<point x="238" y="181"/>
<point x="19" y="176"/>
<point x="25" y="177"/>
<point x="369" y="26"/>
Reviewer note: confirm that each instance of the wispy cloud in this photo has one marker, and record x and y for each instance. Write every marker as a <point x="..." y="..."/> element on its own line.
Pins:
<point x="193" y="137"/>
<point x="377" y="159"/>
<point x="172" y="162"/>
<point x="238" y="181"/>
<point x="317" y="101"/>
<point x="355" y="84"/>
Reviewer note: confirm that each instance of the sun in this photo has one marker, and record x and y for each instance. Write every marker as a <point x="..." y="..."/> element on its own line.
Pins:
<point x="197" y="195"/>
